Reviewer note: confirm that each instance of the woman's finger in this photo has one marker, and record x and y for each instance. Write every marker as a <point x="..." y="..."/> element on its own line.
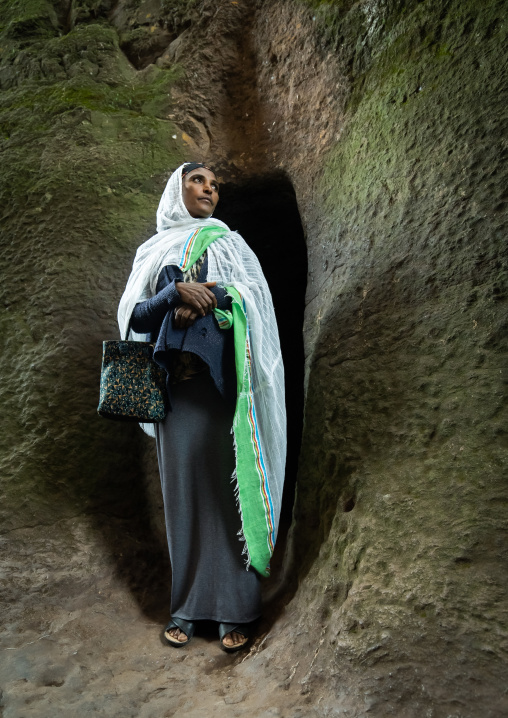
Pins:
<point x="188" y="315"/>
<point x="212" y="298"/>
<point x="184" y="317"/>
<point x="179" y="318"/>
<point x="198" y="295"/>
<point x="191" y="294"/>
<point x="208" y="298"/>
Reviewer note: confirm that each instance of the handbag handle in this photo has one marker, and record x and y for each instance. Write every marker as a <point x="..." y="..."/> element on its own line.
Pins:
<point x="127" y="333"/>
<point x="128" y="330"/>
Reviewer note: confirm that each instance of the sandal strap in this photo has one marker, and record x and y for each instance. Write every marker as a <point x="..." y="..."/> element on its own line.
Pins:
<point x="186" y="626"/>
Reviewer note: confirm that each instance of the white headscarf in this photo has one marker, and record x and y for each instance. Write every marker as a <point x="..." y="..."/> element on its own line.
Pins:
<point x="174" y="224"/>
<point x="230" y="263"/>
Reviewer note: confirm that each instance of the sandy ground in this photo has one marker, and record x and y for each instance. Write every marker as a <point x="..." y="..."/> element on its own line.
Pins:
<point x="75" y="641"/>
<point x="82" y="635"/>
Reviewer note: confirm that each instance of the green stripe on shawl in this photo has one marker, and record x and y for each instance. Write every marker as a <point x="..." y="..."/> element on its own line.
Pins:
<point x="224" y="318"/>
<point x="202" y="240"/>
<point x="254" y="519"/>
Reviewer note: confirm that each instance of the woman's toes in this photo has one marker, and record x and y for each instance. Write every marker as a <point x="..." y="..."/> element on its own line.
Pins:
<point x="234" y="639"/>
<point x="177" y="635"/>
<point x="240" y="638"/>
<point x="227" y="640"/>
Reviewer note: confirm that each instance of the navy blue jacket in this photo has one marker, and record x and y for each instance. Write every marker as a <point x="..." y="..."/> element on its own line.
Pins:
<point x="204" y="338"/>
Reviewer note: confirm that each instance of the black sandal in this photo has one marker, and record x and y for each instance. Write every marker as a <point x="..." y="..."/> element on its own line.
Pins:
<point x="225" y="628"/>
<point x="186" y="627"/>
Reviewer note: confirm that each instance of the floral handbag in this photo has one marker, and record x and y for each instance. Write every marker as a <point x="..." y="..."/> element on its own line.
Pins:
<point x="133" y="386"/>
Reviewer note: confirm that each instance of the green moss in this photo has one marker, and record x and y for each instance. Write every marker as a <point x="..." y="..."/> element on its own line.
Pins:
<point x="357" y="29"/>
<point x="85" y="93"/>
<point x="182" y="7"/>
<point x="85" y="10"/>
<point x="362" y="32"/>
<point x="97" y="79"/>
<point x="86" y="146"/>
<point x="21" y="19"/>
<point x="410" y="194"/>
<point x="181" y="13"/>
<point x="331" y="5"/>
<point x="410" y="61"/>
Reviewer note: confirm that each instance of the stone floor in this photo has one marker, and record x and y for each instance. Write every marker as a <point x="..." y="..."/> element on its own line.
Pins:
<point x="75" y="641"/>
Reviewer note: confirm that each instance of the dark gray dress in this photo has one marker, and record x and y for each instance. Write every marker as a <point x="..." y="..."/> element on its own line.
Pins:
<point x="196" y="461"/>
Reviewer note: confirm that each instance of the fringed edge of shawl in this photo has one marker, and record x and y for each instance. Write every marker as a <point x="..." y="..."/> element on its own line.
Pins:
<point x="236" y="491"/>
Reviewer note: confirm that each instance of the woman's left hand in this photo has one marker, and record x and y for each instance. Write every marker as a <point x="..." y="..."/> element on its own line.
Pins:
<point x="185" y="316"/>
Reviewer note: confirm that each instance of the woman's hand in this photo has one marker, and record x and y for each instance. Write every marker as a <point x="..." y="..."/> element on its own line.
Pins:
<point x="198" y="296"/>
<point x="185" y="316"/>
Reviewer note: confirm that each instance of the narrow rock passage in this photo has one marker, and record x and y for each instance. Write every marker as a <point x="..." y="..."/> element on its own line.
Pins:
<point x="387" y="121"/>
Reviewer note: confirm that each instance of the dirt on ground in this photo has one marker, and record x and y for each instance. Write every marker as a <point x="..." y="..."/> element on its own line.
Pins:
<point x="76" y="642"/>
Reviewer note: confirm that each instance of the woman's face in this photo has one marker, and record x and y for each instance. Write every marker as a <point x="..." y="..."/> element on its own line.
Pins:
<point x="200" y="192"/>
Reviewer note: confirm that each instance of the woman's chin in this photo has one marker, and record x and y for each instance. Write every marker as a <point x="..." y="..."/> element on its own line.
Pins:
<point x="201" y="215"/>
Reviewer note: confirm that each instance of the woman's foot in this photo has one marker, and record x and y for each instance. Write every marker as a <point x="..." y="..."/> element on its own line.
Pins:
<point x="176" y="634"/>
<point x="179" y="632"/>
<point x="234" y="640"/>
<point x="233" y="636"/>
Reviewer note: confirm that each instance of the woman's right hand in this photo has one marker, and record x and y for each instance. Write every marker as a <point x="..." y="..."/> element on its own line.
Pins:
<point x="198" y="296"/>
<point x="184" y="316"/>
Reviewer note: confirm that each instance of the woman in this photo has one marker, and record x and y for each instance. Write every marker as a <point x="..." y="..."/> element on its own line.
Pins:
<point x="199" y="293"/>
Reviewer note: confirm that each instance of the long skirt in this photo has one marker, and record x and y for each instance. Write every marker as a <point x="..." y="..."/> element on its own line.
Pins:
<point x="196" y="461"/>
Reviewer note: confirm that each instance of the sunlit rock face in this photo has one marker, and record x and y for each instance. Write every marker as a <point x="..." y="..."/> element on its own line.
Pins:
<point x="388" y="119"/>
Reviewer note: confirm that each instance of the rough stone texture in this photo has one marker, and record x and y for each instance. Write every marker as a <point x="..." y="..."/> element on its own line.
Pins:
<point x="389" y="118"/>
<point x="406" y="337"/>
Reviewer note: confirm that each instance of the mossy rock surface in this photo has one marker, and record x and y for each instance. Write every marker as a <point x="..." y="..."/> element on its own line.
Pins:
<point x="86" y="147"/>
<point x="402" y="498"/>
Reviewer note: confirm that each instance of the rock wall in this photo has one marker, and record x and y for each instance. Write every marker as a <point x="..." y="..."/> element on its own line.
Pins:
<point x="400" y="514"/>
<point x="86" y="147"/>
<point x="388" y="118"/>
